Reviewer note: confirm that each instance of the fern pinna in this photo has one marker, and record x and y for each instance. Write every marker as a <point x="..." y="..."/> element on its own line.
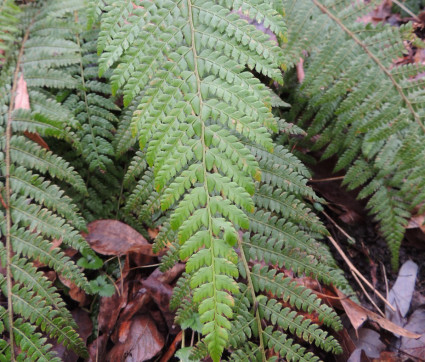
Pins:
<point x="367" y="109"/>
<point x="34" y="210"/>
<point x="204" y="123"/>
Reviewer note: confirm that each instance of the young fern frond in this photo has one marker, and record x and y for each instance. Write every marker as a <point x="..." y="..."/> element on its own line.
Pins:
<point x="368" y="111"/>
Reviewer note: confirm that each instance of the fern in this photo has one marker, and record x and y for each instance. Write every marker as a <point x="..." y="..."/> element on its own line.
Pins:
<point x="204" y="124"/>
<point x="352" y="89"/>
<point x="8" y="26"/>
<point x="35" y="208"/>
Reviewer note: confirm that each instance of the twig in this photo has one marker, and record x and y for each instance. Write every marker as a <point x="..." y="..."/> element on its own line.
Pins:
<point x="350" y="238"/>
<point x="172" y="349"/>
<point x="145" y="266"/>
<point x="387" y="289"/>
<point x="367" y="295"/>
<point x="406" y="9"/>
<point x="114" y="284"/>
<point x="353" y="270"/>
<point x="336" y="178"/>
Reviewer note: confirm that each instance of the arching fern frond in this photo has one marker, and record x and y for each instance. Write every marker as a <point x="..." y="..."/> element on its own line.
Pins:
<point x="35" y="210"/>
<point x="367" y="110"/>
<point x="182" y="118"/>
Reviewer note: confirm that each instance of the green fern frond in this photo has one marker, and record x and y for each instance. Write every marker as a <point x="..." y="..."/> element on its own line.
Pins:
<point x="287" y="319"/>
<point x="29" y="341"/>
<point x="183" y="122"/>
<point x="34" y="308"/>
<point x="265" y="279"/>
<point x="36" y="209"/>
<point x="33" y="156"/>
<point x="364" y="108"/>
<point x="9" y="28"/>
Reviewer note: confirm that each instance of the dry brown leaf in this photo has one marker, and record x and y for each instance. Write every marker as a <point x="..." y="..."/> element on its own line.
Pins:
<point x="153" y="233"/>
<point x="417" y="221"/>
<point x="143" y="342"/>
<point x="110" y="308"/>
<point x="22" y="99"/>
<point x="358" y="315"/>
<point x="97" y="349"/>
<point x="75" y="292"/>
<point x="37" y="139"/>
<point x="113" y="237"/>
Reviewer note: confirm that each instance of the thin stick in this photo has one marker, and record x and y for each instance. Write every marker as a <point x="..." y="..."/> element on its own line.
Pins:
<point x="339" y="228"/>
<point x="114" y="284"/>
<point x="367" y="295"/>
<point x="406" y="9"/>
<point x="336" y="178"/>
<point x="145" y="266"/>
<point x="353" y="270"/>
<point x="387" y="290"/>
<point x="172" y="349"/>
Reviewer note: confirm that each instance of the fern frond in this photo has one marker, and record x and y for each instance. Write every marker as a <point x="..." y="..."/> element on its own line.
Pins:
<point x="34" y="309"/>
<point x="29" y="341"/>
<point x="36" y="209"/>
<point x="33" y="156"/>
<point x="9" y="12"/>
<point x="364" y="107"/>
<point x="183" y="124"/>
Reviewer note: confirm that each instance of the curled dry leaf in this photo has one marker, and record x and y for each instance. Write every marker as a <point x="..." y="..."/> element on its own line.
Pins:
<point x="22" y="99"/>
<point x="142" y="343"/>
<point x="75" y="292"/>
<point x="358" y="315"/>
<point x="113" y="237"/>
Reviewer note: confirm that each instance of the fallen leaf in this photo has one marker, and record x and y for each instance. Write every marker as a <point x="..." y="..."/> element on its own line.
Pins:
<point x="358" y="355"/>
<point x="113" y="237"/>
<point x="75" y="292"/>
<point x="172" y="349"/>
<point x="369" y="341"/>
<point x="22" y="99"/>
<point x="153" y="233"/>
<point x="129" y="311"/>
<point x="143" y="342"/>
<point x="37" y="139"/>
<point x="415" y="347"/>
<point x="400" y="295"/>
<point x="358" y="315"/>
<point x="347" y="344"/>
<point x="110" y="308"/>
<point x="97" y="349"/>
<point x="387" y="356"/>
